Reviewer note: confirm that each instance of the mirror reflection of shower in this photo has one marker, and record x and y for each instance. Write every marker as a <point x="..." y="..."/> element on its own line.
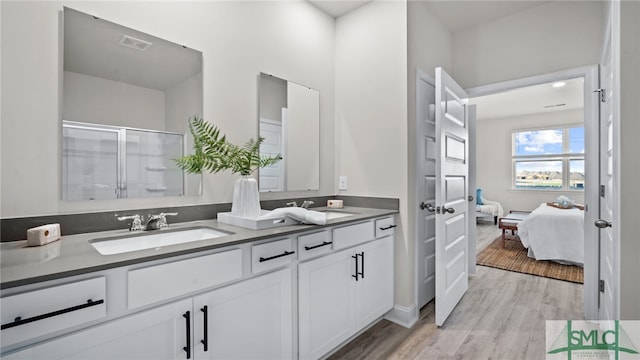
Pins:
<point x="103" y="162"/>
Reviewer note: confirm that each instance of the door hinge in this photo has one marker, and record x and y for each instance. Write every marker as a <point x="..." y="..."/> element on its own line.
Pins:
<point x="602" y="94"/>
<point x="602" y="190"/>
<point x="601" y="286"/>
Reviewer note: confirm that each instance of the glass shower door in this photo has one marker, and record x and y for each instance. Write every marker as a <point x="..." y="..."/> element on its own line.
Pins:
<point x="90" y="163"/>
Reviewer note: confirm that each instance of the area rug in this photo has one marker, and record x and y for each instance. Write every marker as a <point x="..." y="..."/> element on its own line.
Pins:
<point x="514" y="258"/>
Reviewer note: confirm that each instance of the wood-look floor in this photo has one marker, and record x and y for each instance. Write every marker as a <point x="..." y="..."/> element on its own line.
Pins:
<point x="502" y="316"/>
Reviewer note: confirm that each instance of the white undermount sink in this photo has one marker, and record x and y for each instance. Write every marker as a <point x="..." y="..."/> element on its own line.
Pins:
<point x="336" y="214"/>
<point x="152" y="240"/>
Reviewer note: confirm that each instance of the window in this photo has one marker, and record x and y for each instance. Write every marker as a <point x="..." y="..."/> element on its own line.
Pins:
<point x="549" y="159"/>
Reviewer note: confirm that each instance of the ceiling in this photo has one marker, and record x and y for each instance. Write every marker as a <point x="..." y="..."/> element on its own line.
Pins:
<point x="455" y="14"/>
<point x="535" y="99"/>
<point x="458" y="15"/>
<point x="337" y="8"/>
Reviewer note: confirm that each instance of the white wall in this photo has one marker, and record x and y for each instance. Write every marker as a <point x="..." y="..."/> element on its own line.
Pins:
<point x="180" y="102"/>
<point x="629" y="160"/>
<point x="100" y="101"/>
<point x="554" y="36"/>
<point x="371" y="113"/>
<point x="238" y="39"/>
<point x="430" y="45"/>
<point x="494" y="162"/>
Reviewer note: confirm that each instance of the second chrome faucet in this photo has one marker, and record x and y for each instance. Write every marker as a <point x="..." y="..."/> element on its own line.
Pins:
<point x="154" y="222"/>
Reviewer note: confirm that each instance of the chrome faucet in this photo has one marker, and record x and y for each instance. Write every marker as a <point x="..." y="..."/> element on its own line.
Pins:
<point x="154" y="222"/>
<point x="136" y="223"/>
<point x="306" y="204"/>
<point x="158" y="222"/>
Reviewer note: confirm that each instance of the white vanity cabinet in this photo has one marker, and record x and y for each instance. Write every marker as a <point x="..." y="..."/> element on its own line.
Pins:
<point x="159" y="333"/>
<point x="248" y="320"/>
<point x="251" y="319"/>
<point x="341" y="293"/>
<point x="277" y="298"/>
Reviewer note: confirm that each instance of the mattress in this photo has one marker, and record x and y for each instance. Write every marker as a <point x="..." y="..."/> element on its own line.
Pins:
<point x="555" y="234"/>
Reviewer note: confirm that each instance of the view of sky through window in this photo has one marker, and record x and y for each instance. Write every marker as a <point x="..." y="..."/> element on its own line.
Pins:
<point x="542" y="158"/>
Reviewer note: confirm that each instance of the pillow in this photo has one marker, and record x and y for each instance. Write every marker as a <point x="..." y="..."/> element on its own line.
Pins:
<point x="479" y="198"/>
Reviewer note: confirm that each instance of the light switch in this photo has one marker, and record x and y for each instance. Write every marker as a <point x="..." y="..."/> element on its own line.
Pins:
<point x="342" y="183"/>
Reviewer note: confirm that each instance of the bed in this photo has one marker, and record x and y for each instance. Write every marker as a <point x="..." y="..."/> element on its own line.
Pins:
<point x="555" y="234"/>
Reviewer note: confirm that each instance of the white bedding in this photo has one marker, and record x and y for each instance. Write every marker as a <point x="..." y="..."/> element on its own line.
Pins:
<point x="554" y="234"/>
<point x="492" y="208"/>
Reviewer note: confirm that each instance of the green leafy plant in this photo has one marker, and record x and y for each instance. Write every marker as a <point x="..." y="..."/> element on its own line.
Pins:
<point x="214" y="153"/>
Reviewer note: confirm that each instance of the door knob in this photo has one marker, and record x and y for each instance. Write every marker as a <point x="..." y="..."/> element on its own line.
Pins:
<point x="470" y="198"/>
<point x="448" y="210"/>
<point x="428" y="206"/>
<point x="601" y="224"/>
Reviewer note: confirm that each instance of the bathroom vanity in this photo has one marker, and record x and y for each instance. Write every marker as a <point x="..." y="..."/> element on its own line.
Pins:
<point x="297" y="291"/>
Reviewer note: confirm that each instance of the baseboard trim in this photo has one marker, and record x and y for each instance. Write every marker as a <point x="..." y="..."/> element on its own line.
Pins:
<point x="403" y="315"/>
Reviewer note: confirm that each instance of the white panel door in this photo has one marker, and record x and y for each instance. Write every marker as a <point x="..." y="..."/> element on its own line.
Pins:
<point x="608" y="267"/>
<point x="452" y="247"/>
<point x="426" y="188"/>
<point x="272" y="177"/>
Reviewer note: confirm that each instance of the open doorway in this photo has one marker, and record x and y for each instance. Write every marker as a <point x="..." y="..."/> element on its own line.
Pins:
<point x="537" y="139"/>
<point x="584" y="166"/>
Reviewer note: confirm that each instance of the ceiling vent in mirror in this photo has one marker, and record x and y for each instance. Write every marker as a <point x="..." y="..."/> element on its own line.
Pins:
<point x="134" y="43"/>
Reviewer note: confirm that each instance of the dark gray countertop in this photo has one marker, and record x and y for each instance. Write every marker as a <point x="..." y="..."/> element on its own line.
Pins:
<point x="74" y="255"/>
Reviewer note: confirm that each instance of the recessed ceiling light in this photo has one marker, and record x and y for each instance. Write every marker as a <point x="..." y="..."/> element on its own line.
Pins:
<point x="559" y="84"/>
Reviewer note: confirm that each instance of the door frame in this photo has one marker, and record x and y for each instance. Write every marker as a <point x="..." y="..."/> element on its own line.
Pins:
<point x="421" y="75"/>
<point x="590" y="74"/>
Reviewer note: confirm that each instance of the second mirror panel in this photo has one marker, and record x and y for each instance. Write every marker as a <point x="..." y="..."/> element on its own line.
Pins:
<point x="290" y="125"/>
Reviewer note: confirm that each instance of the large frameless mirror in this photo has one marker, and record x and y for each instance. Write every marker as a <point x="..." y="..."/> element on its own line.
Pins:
<point x="290" y="125"/>
<point x="127" y="98"/>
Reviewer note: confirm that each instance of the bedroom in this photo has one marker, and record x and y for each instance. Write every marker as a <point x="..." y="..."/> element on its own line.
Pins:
<point x="531" y="151"/>
<point x="539" y="114"/>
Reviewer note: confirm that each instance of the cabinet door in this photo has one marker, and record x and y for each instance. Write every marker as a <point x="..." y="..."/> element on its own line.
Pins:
<point x="160" y="333"/>
<point x="374" y="290"/>
<point x="26" y="354"/>
<point x="248" y="320"/>
<point x="325" y="300"/>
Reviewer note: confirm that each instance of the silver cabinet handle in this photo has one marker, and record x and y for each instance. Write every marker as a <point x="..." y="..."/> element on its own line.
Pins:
<point x="448" y="210"/>
<point x="602" y="224"/>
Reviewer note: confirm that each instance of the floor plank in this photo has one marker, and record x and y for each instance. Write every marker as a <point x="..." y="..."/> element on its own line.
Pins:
<point x="502" y="316"/>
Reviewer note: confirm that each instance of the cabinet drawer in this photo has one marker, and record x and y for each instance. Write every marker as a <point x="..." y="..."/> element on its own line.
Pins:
<point x="40" y="312"/>
<point x="160" y="282"/>
<point x="311" y="245"/>
<point x="385" y="226"/>
<point x="351" y="235"/>
<point x="271" y="255"/>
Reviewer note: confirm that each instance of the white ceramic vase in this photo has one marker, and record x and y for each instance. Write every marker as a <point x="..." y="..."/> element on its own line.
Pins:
<point x="246" y="198"/>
